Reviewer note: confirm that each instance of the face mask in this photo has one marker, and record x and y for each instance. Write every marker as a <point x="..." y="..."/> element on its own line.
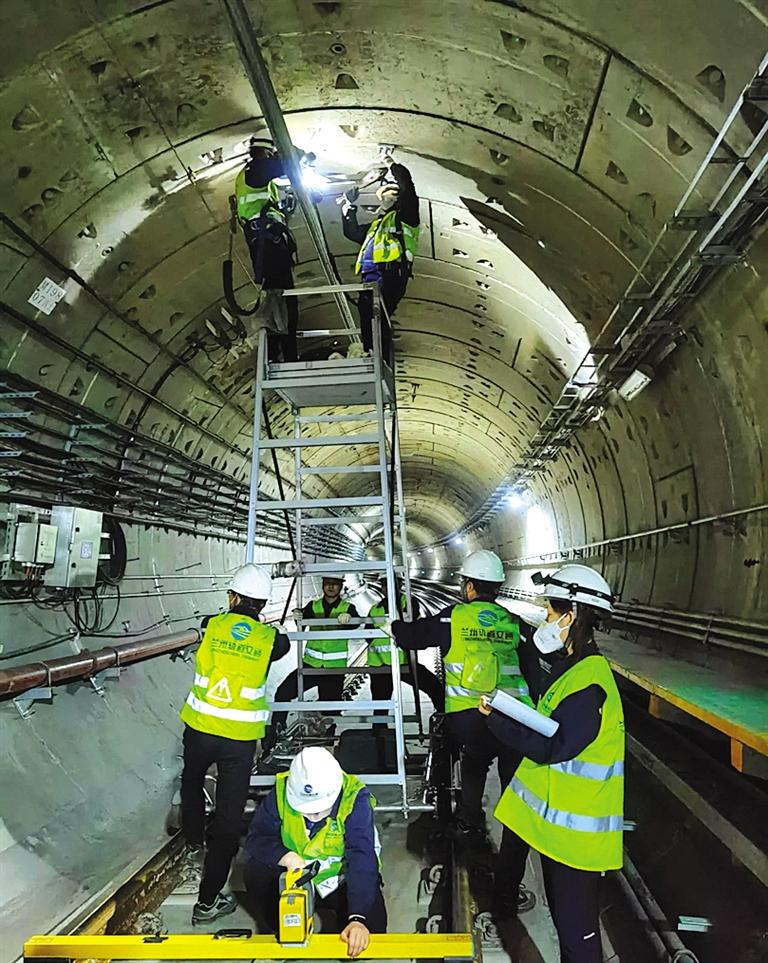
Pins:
<point x="547" y="637"/>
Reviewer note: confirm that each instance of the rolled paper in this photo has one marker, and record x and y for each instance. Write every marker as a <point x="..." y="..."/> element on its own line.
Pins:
<point x="524" y="714"/>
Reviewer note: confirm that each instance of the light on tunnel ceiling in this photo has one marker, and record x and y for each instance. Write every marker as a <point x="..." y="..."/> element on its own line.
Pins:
<point x="457" y="540"/>
<point x="516" y="501"/>
<point x="639" y="379"/>
<point x="431" y="551"/>
<point x="541" y="243"/>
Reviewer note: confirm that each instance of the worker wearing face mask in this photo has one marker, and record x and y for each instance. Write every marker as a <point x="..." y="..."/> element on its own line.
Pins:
<point x="387" y="249"/>
<point x="318" y="812"/>
<point x="566" y="798"/>
<point x="480" y="642"/>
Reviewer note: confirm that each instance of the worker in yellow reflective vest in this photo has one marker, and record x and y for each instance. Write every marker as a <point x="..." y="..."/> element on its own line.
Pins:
<point x="327" y="649"/>
<point x="380" y="653"/>
<point x="480" y="642"/>
<point x="318" y="812"/>
<point x="224" y="716"/>
<point x="387" y="248"/>
<point x="270" y="242"/>
<point x="566" y="799"/>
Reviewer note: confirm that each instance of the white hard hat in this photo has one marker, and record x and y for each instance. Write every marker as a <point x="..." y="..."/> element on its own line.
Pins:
<point x="485" y="566"/>
<point x="252" y="581"/>
<point x="576" y="583"/>
<point x="314" y="780"/>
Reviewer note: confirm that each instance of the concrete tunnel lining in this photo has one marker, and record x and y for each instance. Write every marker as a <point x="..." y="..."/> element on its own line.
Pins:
<point x="522" y="125"/>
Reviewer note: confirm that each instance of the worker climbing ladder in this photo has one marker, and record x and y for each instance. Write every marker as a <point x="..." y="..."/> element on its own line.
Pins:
<point x="346" y="385"/>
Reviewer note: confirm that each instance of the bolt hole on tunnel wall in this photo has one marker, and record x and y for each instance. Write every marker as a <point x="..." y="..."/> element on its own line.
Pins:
<point x="579" y="352"/>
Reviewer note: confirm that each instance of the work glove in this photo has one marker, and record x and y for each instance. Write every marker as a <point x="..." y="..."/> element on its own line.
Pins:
<point x="297" y="615"/>
<point x="343" y="618"/>
<point x="348" y="198"/>
<point x="292" y="861"/>
<point x="281" y="629"/>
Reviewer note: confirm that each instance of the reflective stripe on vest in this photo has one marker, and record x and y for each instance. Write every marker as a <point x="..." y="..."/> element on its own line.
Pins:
<point x="326" y="651"/>
<point x="483" y="636"/>
<point x="228" y="695"/>
<point x="252" y="200"/>
<point x="380" y="650"/>
<point x="327" y="844"/>
<point x="573" y="811"/>
<point x="387" y="236"/>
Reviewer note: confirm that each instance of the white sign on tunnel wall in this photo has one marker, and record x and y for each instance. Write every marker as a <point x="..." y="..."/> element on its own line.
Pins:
<point x="46" y="296"/>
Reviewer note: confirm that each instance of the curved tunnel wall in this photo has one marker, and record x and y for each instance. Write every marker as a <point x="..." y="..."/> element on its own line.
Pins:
<point x="549" y="145"/>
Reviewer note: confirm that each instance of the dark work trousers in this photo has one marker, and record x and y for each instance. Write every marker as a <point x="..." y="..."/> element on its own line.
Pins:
<point x="429" y="686"/>
<point x="478" y="746"/>
<point x="329" y="689"/>
<point x="572" y="895"/>
<point x="234" y="761"/>
<point x="262" y="885"/>
<point x="393" y="285"/>
<point x="272" y="249"/>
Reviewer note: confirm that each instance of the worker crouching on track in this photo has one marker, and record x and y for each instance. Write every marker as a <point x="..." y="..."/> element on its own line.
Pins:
<point x="479" y="641"/>
<point x="566" y="799"/>
<point x="270" y="242"/>
<point x="224" y="716"/>
<point x="318" y="812"/>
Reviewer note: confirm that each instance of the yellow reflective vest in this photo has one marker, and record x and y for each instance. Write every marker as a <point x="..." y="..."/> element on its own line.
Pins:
<point x="573" y="811"/>
<point x="380" y="650"/>
<point x="388" y="234"/>
<point x="327" y="845"/>
<point x="326" y="651"/>
<point x="251" y="201"/>
<point x="229" y="694"/>
<point x="483" y="655"/>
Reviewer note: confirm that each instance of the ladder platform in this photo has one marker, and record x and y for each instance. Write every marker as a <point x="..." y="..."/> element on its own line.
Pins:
<point x="326" y="384"/>
<point x="320" y="441"/>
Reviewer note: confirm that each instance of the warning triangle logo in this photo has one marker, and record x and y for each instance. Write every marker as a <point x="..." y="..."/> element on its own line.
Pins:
<point x="220" y="691"/>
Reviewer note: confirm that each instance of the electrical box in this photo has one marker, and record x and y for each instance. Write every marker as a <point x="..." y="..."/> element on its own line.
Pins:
<point x="27" y="543"/>
<point x="35" y="543"/>
<point x="77" y="547"/>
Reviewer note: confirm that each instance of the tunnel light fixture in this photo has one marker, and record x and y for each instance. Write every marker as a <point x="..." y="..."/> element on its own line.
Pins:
<point x="640" y="378"/>
<point x="516" y="500"/>
<point x="541" y="243"/>
<point x="313" y="180"/>
<point x="457" y="540"/>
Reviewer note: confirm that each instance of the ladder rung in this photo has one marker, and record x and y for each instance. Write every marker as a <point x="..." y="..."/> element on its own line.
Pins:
<point x="332" y="419"/>
<point x="307" y="503"/>
<point x="337" y="379"/>
<point x="322" y="568"/>
<point x="343" y="470"/>
<point x="358" y="705"/>
<point x="318" y="441"/>
<point x="349" y="670"/>
<point x="342" y="520"/>
<point x="340" y="630"/>
<point x="372" y="778"/>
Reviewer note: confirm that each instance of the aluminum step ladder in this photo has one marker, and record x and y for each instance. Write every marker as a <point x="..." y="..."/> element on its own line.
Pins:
<point x="347" y="385"/>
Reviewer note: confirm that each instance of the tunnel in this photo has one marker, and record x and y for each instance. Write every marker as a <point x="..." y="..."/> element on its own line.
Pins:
<point x="579" y="377"/>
